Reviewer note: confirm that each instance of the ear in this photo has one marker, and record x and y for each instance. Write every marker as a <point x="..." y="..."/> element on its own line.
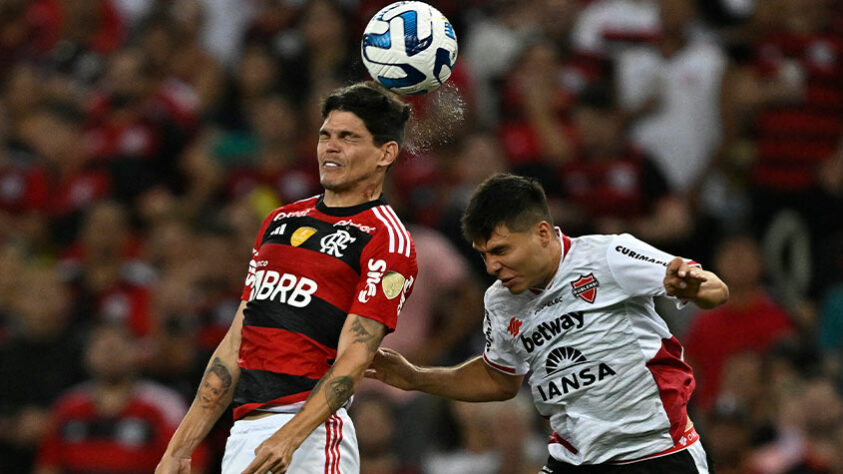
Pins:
<point x="389" y="153"/>
<point x="545" y="232"/>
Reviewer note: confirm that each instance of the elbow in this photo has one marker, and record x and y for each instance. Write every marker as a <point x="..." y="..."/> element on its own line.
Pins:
<point x="724" y="294"/>
<point x="506" y="393"/>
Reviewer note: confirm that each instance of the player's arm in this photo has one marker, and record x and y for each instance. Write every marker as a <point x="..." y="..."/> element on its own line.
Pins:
<point x="472" y="381"/>
<point x="212" y="398"/>
<point x="358" y="343"/>
<point x="702" y="287"/>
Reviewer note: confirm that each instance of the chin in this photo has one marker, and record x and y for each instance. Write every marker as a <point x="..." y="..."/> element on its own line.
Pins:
<point x="516" y="290"/>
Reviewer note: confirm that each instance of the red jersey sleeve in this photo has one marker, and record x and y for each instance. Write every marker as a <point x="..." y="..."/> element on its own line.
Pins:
<point x="388" y="269"/>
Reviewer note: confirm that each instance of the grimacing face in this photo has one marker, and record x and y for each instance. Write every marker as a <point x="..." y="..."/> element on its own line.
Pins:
<point x="518" y="259"/>
<point x="348" y="157"/>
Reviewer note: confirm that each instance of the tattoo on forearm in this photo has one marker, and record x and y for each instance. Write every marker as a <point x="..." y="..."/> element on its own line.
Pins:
<point x="321" y="382"/>
<point x="215" y="385"/>
<point x="363" y="335"/>
<point x="338" y="391"/>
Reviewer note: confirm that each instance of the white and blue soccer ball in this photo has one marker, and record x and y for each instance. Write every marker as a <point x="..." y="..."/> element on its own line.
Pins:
<point x="409" y="47"/>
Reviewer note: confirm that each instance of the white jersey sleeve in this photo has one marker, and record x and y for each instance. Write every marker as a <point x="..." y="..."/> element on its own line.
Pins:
<point x="638" y="267"/>
<point x="499" y="352"/>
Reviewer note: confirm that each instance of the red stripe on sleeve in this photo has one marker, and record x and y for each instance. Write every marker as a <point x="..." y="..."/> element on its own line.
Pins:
<point x="498" y="367"/>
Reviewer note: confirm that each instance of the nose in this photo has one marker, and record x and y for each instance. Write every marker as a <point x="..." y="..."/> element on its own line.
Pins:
<point x="492" y="265"/>
<point x="330" y="144"/>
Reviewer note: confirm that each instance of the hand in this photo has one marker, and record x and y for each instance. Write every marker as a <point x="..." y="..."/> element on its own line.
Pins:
<point x="682" y="280"/>
<point x="273" y="455"/>
<point x="173" y="465"/>
<point x="392" y="368"/>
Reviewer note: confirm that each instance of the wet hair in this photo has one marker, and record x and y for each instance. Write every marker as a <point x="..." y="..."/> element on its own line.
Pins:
<point x="514" y="201"/>
<point x="383" y="113"/>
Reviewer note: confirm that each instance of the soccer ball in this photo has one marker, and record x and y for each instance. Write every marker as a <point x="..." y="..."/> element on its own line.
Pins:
<point x="409" y="47"/>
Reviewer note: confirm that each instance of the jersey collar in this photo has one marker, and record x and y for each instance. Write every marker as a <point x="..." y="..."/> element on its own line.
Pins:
<point x="347" y="211"/>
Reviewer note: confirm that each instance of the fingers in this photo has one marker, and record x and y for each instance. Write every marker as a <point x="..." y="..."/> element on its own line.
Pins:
<point x="674" y="265"/>
<point x="263" y="463"/>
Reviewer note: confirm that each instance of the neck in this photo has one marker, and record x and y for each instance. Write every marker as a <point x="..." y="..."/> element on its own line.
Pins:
<point x="112" y="395"/>
<point x="348" y="198"/>
<point x="555" y="255"/>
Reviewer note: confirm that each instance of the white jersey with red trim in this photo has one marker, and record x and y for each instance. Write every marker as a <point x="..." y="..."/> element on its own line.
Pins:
<point x="604" y="366"/>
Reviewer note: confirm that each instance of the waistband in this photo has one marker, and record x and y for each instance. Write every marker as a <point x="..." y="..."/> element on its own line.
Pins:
<point x="688" y="438"/>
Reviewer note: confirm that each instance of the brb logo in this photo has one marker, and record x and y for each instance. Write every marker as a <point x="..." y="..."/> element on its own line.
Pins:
<point x="334" y="244"/>
<point x="284" y="288"/>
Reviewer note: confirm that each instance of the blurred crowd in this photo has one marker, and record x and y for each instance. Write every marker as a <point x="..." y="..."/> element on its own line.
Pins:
<point x="142" y="142"/>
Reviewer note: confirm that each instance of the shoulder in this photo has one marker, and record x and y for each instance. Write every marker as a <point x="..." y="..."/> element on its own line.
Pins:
<point x="295" y="208"/>
<point x="591" y="246"/>
<point x="387" y="228"/>
<point x="500" y="303"/>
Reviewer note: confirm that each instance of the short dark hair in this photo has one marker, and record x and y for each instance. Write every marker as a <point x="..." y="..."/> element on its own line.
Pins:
<point x="514" y="201"/>
<point x="384" y="114"/>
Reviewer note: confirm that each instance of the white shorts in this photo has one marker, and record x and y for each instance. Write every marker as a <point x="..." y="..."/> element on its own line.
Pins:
<point x="330" y="449"/>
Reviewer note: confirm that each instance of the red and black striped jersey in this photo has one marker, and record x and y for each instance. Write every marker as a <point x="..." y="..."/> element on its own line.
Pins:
<point x="82" y="440"/>
<point x="311" y="266"/>
<point x="794" y="139"/>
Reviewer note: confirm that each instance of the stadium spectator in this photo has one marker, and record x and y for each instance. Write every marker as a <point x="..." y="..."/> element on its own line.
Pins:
<point x="110" y="285"/>
<point x="534" y="129"/>
<point x="671" y="91"/>
<point x="728" y="439"/>
<point x="808" y="440"/>
<point x="750" y="321"/>
<point x="115" y="422"/>
<point x="796" y="140"/>
<point x="472" y="450"/>
<point x="605" y="28"/>
<point x="39" y="359"/>
<point x="610" y="186"/>
<point x="52" y="132"/>
<point x="379" y="441"/>
<point x="478" y="155"/>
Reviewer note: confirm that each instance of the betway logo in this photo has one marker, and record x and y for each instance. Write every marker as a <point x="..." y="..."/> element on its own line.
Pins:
<point x="548" y="330"/>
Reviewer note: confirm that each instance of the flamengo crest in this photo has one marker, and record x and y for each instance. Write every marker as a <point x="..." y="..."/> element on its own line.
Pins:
<point x="585" y="288"/>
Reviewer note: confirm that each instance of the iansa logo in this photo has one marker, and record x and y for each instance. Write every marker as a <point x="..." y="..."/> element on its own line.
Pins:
<point x="585" y="288"/>
<point x="574" y="371"/>
<point x="563" y="358"/>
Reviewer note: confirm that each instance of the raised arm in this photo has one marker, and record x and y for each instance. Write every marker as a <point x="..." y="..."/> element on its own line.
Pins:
<point x="215" y="393"/>
<point x="359" y="340"/>
<point x="702" y="287"/>
<point x="472" y="381"/>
